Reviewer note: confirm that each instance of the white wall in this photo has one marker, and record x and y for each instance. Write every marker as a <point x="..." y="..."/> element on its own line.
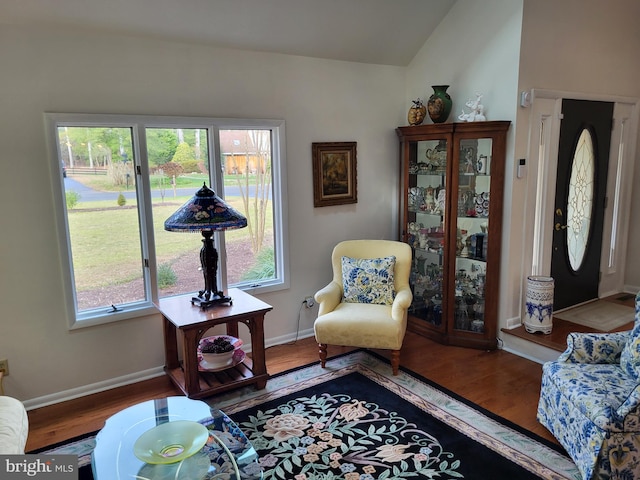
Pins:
<point x="56" y="71"/>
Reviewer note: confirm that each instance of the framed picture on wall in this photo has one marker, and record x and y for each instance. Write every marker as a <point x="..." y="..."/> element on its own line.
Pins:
<point x="334" y="173"/>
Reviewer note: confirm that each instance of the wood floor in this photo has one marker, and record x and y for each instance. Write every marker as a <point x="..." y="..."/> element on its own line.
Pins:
<point x="501" y="382"/>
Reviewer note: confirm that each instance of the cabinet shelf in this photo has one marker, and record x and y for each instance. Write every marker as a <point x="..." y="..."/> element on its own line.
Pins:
<point x="475" y="259"/>
<point x="430" y="173"/>
<point x="465" y="174"/>
<point x="424" y="212"/>
<point x="455" y="273"/>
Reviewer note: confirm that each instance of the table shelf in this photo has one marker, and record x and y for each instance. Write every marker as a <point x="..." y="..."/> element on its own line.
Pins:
<point x="193" y="322"/>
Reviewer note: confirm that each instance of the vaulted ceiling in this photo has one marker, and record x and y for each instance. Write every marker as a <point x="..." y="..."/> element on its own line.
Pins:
<point x="386" y="32"/>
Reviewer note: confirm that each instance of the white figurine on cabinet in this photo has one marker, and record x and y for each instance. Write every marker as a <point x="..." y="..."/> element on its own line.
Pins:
<point x="477" y="111"/>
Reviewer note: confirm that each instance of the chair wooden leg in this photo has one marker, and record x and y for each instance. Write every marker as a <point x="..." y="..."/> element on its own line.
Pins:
<point x="322" y="351"/>
<point x="395" y="361"/>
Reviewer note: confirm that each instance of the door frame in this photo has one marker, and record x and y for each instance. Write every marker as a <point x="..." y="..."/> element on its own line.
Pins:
<point x="544" y="134"/>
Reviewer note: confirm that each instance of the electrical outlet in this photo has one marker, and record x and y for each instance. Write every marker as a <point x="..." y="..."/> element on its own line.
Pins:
<point x="4" y="367"/>
<point x="309" y="302"/>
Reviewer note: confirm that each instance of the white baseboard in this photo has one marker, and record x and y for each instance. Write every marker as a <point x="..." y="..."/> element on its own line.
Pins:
<point x="74" y="393"/>
<point x="290" y="337"/>
<point x="514" y="322"/>
<point x="529" y="350"/>
<point x="607" y="294"/>
<point x="98" y="387"/>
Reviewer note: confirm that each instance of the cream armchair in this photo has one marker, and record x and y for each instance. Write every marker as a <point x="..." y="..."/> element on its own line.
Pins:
<point x="366" y="303"/>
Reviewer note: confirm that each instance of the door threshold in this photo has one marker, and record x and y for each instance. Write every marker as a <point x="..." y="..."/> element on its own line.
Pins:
<point x="576" y="305"/>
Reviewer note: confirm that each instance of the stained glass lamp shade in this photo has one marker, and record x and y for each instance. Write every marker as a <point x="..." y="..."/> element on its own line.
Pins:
<point x="205" y="213"/>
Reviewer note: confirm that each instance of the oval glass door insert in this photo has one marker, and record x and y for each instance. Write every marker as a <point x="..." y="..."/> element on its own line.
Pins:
<point x="580" y="200"/>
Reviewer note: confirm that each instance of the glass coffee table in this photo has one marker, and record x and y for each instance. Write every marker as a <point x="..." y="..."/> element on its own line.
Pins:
<point x="227" y="452"/>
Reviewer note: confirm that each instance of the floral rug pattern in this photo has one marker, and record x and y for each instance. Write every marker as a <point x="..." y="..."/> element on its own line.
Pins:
<point x="347" y="436"/>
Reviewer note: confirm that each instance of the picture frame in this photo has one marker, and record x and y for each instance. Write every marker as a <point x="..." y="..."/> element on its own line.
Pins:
<point x="334" y="173"/>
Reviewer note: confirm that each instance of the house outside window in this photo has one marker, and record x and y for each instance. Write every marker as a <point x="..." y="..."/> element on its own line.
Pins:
<point x="119" y="177"/>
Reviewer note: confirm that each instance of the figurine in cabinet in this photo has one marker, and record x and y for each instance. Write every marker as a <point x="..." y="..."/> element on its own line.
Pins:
<point x="482" y="164"/>
<point x="423" y="238"/>
<point x="413" y="229"/>
<point x="442" y="200"/>
<point x="429" y="200"/>
<point x="469" y="161"/>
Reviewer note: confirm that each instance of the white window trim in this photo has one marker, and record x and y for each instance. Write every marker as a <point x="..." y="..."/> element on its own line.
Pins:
<point x="138" y="124"/>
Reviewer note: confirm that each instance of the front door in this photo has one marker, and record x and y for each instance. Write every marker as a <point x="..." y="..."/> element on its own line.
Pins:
<point x="583" y="159"/>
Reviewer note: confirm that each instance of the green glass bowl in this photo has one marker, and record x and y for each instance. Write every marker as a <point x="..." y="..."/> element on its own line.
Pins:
<point x="171" y="442"/>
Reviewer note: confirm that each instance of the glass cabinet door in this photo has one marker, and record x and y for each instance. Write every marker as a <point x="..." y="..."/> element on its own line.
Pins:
<point x="425" y="230"/>
<point x="472" y="227"/>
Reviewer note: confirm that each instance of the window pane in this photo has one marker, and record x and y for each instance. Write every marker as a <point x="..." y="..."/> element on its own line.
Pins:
<point x="178" y="166"/>
<point x="247" y="172"/>
<point x="580" y="202"/>
<point x="102" y="215"/>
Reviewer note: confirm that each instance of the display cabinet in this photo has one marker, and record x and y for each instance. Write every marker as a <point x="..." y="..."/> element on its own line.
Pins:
<point x="451" y="196"/>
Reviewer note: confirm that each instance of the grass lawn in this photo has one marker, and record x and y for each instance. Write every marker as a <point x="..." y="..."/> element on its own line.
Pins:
<point x="105" y="239"/>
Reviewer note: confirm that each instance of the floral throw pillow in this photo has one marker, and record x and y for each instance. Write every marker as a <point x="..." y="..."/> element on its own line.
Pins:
<point x="368" y="280"/>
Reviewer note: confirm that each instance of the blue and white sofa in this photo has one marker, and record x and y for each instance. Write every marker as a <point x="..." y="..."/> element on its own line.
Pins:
<point x="590" y="401"/>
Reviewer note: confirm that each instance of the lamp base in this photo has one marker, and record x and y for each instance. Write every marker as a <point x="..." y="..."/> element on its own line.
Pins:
<point x="215" y="299"/>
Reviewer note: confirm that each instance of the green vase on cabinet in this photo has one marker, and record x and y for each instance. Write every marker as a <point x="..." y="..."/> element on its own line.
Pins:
<point x="439" y="104"/>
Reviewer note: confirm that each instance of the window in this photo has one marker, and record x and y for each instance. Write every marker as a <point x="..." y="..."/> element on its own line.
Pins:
<point x="120" y="177"/>
<point x="580" y="201"/>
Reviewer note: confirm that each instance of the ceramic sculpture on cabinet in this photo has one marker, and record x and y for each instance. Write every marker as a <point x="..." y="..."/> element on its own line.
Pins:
<point x="417" y="112"/>
<point x="477" y="111"/>
<point x="439" y="104"/>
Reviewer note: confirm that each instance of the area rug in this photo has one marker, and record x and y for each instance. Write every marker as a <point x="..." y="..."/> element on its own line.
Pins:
<point x="600" y="315"/>
<point x="356" y="421"/>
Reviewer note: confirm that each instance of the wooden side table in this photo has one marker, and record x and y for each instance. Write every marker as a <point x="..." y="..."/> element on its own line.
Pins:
<point x="193" y="322"/>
